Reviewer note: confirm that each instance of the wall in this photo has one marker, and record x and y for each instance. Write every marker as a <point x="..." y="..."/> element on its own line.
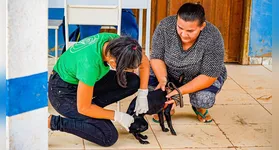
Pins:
<point x="261" y="29"/>
<point x="26" y="75"/>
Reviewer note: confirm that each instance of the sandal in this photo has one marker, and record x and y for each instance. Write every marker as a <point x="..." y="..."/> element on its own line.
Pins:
<point x="202" y="115"/>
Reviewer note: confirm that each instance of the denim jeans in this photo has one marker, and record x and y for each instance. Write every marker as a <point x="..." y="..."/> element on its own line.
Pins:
<point x="63" y="98"/>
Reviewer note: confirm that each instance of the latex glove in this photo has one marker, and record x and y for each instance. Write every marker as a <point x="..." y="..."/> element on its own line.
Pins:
<point x="124" y="119"/>
<point x="141" y="102"/>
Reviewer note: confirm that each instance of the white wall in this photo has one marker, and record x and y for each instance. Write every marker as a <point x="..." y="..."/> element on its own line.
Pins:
<point x="27" y="39"/>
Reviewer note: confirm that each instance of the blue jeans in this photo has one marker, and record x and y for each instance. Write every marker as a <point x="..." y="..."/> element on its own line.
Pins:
<point x="63" y="98"/>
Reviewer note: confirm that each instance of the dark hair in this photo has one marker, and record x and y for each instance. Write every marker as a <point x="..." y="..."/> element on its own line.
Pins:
<point x="191" y="12"/>
<point x="128" y="54"/>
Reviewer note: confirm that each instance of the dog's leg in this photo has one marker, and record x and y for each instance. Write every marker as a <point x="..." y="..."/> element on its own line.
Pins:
<point x="143" y="136"/>
<point x="168" y="118"/>
<point x="161" y="120"/>
<point x="139" y="139"/>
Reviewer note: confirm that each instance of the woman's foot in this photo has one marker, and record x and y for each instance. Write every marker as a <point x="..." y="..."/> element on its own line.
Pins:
<point x="49" y="119"/>
<point x="156" y="117"/>
<point x="203" y="115"/>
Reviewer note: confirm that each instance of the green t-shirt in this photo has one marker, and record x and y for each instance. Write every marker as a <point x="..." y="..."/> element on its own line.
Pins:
<point x="83" y="61"/>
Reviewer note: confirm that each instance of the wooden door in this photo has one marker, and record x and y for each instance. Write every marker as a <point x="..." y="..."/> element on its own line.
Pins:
<point x="226" y="15"/>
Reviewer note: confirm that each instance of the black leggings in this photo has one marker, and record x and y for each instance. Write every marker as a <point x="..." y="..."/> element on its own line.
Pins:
<point x="63" y="97"/>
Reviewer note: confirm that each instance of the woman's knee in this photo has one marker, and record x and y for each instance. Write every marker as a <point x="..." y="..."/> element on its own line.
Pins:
<point x="111" y="139"/>
<point x="133" y="81"/>
<point x="202" y="99"/>
<point x="107" y="138"/>
<point x="101" y="132"/>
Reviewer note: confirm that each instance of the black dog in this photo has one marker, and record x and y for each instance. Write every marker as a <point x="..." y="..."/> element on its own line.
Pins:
<point x="156" y="103"/>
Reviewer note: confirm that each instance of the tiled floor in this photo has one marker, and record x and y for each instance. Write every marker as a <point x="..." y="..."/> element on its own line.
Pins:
<point x="242" y="120"/>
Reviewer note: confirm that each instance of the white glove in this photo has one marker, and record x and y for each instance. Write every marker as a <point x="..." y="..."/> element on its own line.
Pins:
<point x="124" y="119"/>
<point x="141" y="102"/>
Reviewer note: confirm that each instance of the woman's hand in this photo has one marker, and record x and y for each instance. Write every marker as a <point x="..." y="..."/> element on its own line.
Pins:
<point x="125" y="120"/>
<point x="162" y="84"/>
<point x="141" y="102"/>
<point x="171" y="101"/>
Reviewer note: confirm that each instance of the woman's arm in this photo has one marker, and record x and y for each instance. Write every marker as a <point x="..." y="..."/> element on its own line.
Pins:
<point x="144" y="71"/>
<point x="159" y="68"/>
<point x="198" y="83"/>
<point x="85" y="106"/>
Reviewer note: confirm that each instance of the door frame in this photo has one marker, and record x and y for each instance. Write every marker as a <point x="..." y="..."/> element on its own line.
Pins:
<point x="245" y="36"/>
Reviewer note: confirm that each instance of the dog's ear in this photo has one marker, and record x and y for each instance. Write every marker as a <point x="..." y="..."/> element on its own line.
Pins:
<point x="139" y="125"/>
<point x="131" y="107"/>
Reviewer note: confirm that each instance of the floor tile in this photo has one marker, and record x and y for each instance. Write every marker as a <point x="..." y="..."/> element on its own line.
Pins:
<point x="254" y="82"/>
<point x="65" y="141"/>
<point x="263" y="95"/>
<point x="127" y="141"/>
<point x="268" y="107"/>
<point x="186" y="99"/>
<point x="51" y="110"/>
<point x="249" y="135"/>
<point x="255" y="148"/>
<point x="269" y="67"/>
<point x="112" y="106"/>
<point x="192" y="136"/>
<point x="234" y="70"/>
<point x="182" y="116"/>
<point x="51" y="61"/>
<point x="230" y="84"/>
<point x="240" y="114"/>
<point x="234" y="96"/>
<point x="250" y="76"/>
<point x="126" y="102"/>
<point x="208" y="148"/>
<point x="49" y="133"/>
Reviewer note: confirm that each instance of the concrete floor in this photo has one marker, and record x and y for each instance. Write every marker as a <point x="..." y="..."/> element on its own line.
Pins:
<point x="242" y="119"/>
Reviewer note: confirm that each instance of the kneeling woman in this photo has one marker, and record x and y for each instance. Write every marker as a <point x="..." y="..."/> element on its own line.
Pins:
<point x="83" y="82"/>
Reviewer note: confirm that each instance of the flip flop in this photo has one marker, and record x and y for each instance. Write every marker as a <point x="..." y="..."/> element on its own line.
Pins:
<point x="202" y="115"/>
<point x="154" y="120"/>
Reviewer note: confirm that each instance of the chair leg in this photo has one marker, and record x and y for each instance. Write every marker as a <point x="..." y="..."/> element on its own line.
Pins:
<point x="56" y="45"/>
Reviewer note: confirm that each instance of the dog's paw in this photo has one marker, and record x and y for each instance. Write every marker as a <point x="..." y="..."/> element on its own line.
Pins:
<point x="144" y="142"/>
<point x="173" y="132"/>
<point x="165" y="130"/>
<point x="144" y="137"/>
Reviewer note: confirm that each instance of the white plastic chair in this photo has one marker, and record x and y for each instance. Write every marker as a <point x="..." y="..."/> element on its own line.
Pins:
<point x="108" y="15"/>
<point x="55" y="24"/>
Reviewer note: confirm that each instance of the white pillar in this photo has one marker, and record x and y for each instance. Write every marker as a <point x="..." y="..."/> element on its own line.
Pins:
<point x="26" y="73"/>
<point x="3" y="21"/>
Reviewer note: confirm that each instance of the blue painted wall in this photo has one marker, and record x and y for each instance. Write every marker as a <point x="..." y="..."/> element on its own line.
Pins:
<point x="261" y="28"/>
<point x="57" y="13"/>
<point x="129" y="27"/>
<point x="26" y="93"/>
